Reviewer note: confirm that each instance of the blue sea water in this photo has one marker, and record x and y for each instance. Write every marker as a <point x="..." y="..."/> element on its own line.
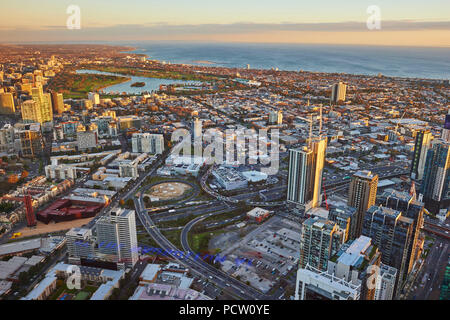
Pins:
<point x="411" y="62"/>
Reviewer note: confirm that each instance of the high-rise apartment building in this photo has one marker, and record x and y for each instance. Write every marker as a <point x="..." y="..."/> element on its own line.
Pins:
<point x="421" y="146"/>
<point x="362" y="195"/>
<point x="436" y="180"/>
<point x="276" y="117"/>
<point x="345" y="217"/>
<point x="57" y="102"/>
<point x="320" y="240"/>
<point x="116" y="235"/>
<point x="94" y="97"/>
<point x="197" y="129"/>
<point x="7" y="103"/>
<point x="79" y="244"/>
<point x="338" y="92"/>
<point x="39" y="109"/>
<point x="393" y="234"/>
<point x="31" y="141"/>
<point x="305" y="174"/>
<point x="147" y="143"/>
<point x="410" y="208"/>
<point x="446" y="130"/>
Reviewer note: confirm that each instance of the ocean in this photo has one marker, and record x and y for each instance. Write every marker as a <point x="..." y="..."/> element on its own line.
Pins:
<point x="409" y="62"/>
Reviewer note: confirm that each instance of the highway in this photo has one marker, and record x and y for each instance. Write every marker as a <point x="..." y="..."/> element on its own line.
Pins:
<point x="201" y="268"/>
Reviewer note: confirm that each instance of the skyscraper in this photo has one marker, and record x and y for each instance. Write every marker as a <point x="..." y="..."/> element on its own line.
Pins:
<point x="446" y="129"/>
<point x="39" y="109"/>
<point x="435" y="184"/>
<point x="410" y="208"/>
<point x="79" y="244"/>
<point x="116" y="235"/>
<point x="7" y="103"/>
<point x="197" y="129"/>
<point x="362" y="195"/>
<point x="305" y="174"/>
<point x="338" y="92"/>
<point x="94" y="97"/>
<point x="345" y="217"/>
<point x="320" y="240"/>
<point x="276" y="117"/>
<point x="393" y="234"/>
<point x="57" y="102"/>
<point x="300" y="177"/>
<point x="423" y="140"/>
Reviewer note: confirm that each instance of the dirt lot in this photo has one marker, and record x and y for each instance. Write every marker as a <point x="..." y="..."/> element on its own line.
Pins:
<point x="168" y="190"/>
<point x="52" y="227"/>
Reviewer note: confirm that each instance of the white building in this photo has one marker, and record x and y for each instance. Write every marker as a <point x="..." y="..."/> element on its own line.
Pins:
<point x="147" y="143"/>
<point x="94" y="97"/>
<point x="79" y="244"/>
<point x="116" y="235"/>
<point x="63" y="171"/>
<point x="276" y="117"/>
<point x="87" y="140"/>
<point x="313" y="283"/>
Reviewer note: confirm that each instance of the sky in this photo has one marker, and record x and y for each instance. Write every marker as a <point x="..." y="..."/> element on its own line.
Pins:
<point x="412" y="22"/>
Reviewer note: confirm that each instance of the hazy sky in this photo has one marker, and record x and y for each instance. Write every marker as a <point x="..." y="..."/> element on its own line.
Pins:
<point x="412" y="22"/>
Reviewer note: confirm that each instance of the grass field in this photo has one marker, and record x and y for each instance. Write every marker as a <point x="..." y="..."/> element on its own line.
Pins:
<point x="77" y="86"/>
<point x="82" y="295"/>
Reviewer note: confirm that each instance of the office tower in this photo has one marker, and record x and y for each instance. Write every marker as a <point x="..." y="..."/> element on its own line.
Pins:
<point x="362" y="195"/>
<point x="410" y="208"/>
<point x="7" y="103"/>
<point x="43" y="104"/>
<point x="435" y="184"/>
<point x="80" y="244"/>
<point x="305" y="174"/>
<point x="31" y="141"/>
<point x="385" y="283"/>
<point x="423" y="140"/>
<point x="338" y="92"/>
<point x="345" y="218"/>
<point x="446" y="129"/>
<point x="276" y="117"/>
<point x="355" y="263"/>
<point x="94" y="97"/>
<point x="393" y="234"/>
<point x="57" y="102"/>
<point x="320" y="240"/>
<point x="197" y="129"/>
<point x="147" y="143"/>
<point x="116" y="235"/>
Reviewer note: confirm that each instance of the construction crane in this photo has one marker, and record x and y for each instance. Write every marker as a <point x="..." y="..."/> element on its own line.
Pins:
<point x="398" y="122"/>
